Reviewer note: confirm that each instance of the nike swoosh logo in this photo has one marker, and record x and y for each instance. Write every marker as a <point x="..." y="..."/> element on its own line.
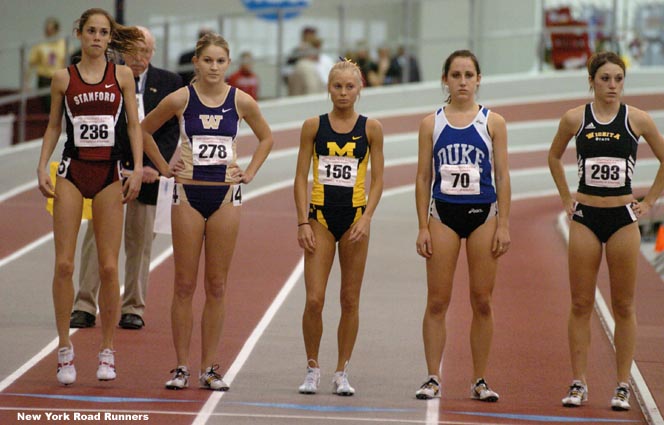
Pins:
<point x="223" y="111"/>
<point x="356" y="137"/>
<point x="108" y="86"/>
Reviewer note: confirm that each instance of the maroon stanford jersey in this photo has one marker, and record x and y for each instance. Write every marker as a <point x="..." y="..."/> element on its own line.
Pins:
<point x="94" y="113"/>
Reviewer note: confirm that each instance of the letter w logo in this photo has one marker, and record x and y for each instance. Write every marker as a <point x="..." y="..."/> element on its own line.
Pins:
<point x="210" y="122"/>
<point x="335" y="150"/>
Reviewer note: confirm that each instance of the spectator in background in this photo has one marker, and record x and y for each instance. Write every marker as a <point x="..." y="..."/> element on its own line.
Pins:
<point x="305" y="78"/>
<point x="404" y="67"/>
<point x="244" y="78"/>
<point x="367" y="66"/>
<point x="185" y="65"/>
<point x="45" y="58"/>
<point x="382" y="77"/>
<point x="307" y="36"/>
<point x="325" y="62"/>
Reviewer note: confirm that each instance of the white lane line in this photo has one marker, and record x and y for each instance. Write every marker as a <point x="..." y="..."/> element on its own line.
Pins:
<point x="53" y="345"/>
<point x="208" y="409"/>
<point x="645" y="398"/>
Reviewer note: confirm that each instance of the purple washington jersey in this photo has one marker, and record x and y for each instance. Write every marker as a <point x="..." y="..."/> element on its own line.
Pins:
<point x="208" y="138"/>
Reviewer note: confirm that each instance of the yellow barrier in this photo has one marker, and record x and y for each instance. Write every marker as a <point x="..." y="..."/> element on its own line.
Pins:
<point x="87" y="203"/>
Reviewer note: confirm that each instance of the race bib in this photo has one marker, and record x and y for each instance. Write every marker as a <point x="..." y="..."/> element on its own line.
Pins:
<point x="212" y="150"/>
<point x="605" y="171"/>
<point x="337" y="171"/>
<point x="461" y="179"/>
<point x="236" y="194"/>
<point x="94" y="131"/>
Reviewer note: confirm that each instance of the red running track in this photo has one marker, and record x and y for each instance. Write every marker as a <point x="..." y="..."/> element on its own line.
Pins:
<point x="529" y="359"/>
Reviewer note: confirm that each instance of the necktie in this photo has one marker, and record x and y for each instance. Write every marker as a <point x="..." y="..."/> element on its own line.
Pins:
<point x="138" y="86"/>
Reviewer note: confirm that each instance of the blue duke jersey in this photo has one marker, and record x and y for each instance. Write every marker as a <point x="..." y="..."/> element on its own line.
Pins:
<point x="462" y="160"/>
<point x="208" y="138"/>
<point x="606" y="154"/>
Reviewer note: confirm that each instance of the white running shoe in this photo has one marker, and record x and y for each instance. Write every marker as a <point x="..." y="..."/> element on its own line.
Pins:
<point x="180" y="378"/>
<point x="340" y="384"/>
<point x="311" y="381"/>
<point x="480" y="391"/>
<point x="430" y="389"/>
<point x="106" y="369"/>
<point x="620" y="400"/>
<point x="578" y="393"/>
<point x="66" y="371"/>
<point x="211" y="380"/>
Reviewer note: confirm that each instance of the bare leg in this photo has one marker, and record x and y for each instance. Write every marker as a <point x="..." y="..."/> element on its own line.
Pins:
<point x="622" y="251"/>
<point x="585" y="255"/>
<point x="67" y="212"/>
<point x="440" y="276"/>
<point x="220" y="236"/>
<point x="317" y="267"/>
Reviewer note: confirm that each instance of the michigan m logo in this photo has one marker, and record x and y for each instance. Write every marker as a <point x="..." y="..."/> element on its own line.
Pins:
<point x="334" y="149"/>
<point x="210" y="122"/>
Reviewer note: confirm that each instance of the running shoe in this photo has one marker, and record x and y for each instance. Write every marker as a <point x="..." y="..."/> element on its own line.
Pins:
<point x="311" y="381"/>
<point x="340" y="384"/>
<point x="106" y="369"/>
<point x="481" y="391"/>
<point x="620" y="400"/>
<point x="430" y="389"/>
<point x="66" y="371"/>
<point x="180" y="378"/>
<point x="211" y="380"/>
<point x="578" y="393"/>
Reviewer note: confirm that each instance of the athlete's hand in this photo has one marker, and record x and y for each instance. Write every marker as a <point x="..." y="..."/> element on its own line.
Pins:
<point x="238" y="175"/>
<point x="360" y="229"/>
<point x="423" y="243"/>
<point x="640" y="208"/>
<point x="501" y="241"/>
<point x="569" y="206"/>
<point x="132" y="185"/>
<point x="150" y="175"/>
<point x="306" y="238"/>
<point x="45" y="184"/>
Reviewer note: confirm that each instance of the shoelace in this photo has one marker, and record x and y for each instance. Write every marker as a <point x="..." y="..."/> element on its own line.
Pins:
<point x="310" y="379"/>
<point x="431" y="384"/>
<point x="576" y="391"/>
<point x="622" y="394"/>
<point x="481" y="386"/>
<point x="180" y="373"/>
<point x="211" y="374"/>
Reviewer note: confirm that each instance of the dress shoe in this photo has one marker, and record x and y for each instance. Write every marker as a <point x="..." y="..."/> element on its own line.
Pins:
<point x="81" y="319"/>
<point x="131" y="321"/>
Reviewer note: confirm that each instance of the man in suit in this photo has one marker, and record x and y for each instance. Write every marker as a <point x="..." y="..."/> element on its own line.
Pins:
<point x="152" y="85"/>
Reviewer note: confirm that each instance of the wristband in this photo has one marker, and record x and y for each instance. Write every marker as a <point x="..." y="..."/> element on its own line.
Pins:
<point x="302" y="224"/>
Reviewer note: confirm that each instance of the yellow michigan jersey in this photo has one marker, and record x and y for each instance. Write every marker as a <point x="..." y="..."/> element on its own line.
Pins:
<point x="340" y="165"/>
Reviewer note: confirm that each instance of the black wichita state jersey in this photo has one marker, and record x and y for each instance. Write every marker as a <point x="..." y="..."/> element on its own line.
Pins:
<point x="340" y="165"/>
<point x="606" y="154"/>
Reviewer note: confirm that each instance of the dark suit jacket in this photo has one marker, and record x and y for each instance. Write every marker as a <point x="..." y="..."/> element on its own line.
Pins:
<point x="159" y="83"/>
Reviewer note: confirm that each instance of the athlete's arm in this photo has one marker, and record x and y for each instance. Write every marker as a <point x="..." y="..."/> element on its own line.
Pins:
<point x="170" y="106"/>
<point x="423" y="185"/>
<point x="644" y="125"/>
<point x="249" y="111"/>
<point x="132" y="186"/>
<point x="59" y="85"/>
<point x="567" y="128"/>
<point x="305" y="235"/>
<point x="498" y="130"/>
<point x="375" y="134"/>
